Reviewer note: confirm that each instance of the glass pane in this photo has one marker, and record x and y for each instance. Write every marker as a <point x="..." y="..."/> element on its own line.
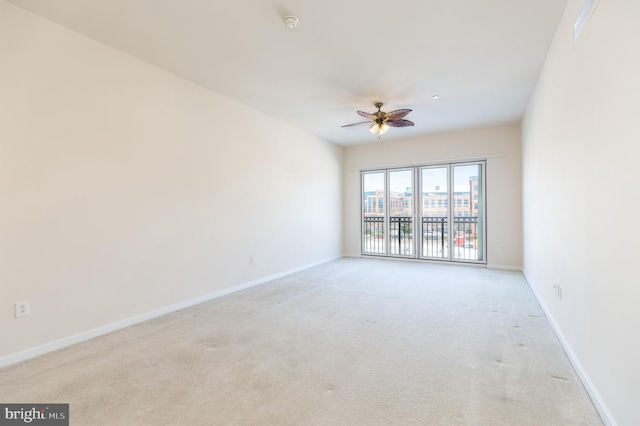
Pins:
<point x="467" y="211"/>
<point x="373" y="206"/>
<point x="401" y="212"/>
<point x="434" y="204"/>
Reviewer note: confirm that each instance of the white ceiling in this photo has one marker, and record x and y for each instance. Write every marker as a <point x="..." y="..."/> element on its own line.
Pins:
<point x="481" y="57"/>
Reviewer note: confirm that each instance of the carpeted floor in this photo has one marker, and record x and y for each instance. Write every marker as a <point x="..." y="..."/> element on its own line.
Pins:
<point x="350" y="342"/>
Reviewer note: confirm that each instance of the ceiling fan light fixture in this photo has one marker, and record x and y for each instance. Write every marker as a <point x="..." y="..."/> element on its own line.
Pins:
<point x="379" y="128"/>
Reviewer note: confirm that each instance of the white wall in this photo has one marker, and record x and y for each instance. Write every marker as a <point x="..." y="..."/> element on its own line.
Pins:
<point x="504" y="190"/>
<point x="581" y="147"/>
<point x="125" y="189"/>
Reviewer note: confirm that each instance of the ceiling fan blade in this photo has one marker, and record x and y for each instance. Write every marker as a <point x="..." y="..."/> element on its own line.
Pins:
<point x="357" y="124"/>
<point x="400" y="123"/>
<point x="366" y="115"/>
<point x="399" y="113"/>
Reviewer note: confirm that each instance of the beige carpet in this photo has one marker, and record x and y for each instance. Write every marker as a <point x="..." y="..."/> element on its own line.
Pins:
<point x="350" y="342"/>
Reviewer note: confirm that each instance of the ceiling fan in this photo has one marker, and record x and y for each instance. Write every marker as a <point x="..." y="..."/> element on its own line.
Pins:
<point x="380" y="121"/>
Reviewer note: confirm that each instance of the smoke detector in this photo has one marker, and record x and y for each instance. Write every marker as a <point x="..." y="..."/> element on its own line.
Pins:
<point x="290" y="21"/>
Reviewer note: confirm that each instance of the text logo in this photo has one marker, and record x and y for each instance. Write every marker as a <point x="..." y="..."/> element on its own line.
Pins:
<point x="34" y="414"/>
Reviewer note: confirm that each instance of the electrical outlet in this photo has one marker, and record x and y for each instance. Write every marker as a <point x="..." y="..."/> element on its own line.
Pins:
<point x="22" y="309"/>
<point x="558" y="290"/>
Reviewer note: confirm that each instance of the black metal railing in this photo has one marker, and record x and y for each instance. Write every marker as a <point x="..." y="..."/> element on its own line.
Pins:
<point x="466" y="238"/>
<point x="401" y="235"/>
<point x="374" y="235"/>
<point x="435" y="237"/>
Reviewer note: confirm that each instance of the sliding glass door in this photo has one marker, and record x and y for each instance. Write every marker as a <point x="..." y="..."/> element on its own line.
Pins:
<point x="401" y="212"/>
<point x="468" y="212"/>
<point x="434" y="214"/>
<point x="374" y="210"/>
<point x="431" y="212"/>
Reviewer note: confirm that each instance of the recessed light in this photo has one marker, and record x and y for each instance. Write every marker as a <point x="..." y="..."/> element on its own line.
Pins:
<point x="435" y="97"/>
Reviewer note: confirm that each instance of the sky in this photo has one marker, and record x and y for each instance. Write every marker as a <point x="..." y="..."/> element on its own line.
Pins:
<point x="400" y="180"/>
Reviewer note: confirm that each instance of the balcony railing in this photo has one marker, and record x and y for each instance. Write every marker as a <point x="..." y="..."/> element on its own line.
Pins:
<point x="373" y="235"/>
<point x="435" y="237"/>
<point x="401" y="235"/>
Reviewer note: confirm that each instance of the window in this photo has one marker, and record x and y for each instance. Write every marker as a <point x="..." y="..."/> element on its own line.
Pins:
<point x="452" y="231"/>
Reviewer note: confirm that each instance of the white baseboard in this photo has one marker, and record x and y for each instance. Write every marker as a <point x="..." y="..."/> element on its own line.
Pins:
<point x="90" y="334"/>
<point x="351" y="255"/>
<point x="505" y="267"/>
<point x="489" y="266"/>
<point x="582" y="374"/>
